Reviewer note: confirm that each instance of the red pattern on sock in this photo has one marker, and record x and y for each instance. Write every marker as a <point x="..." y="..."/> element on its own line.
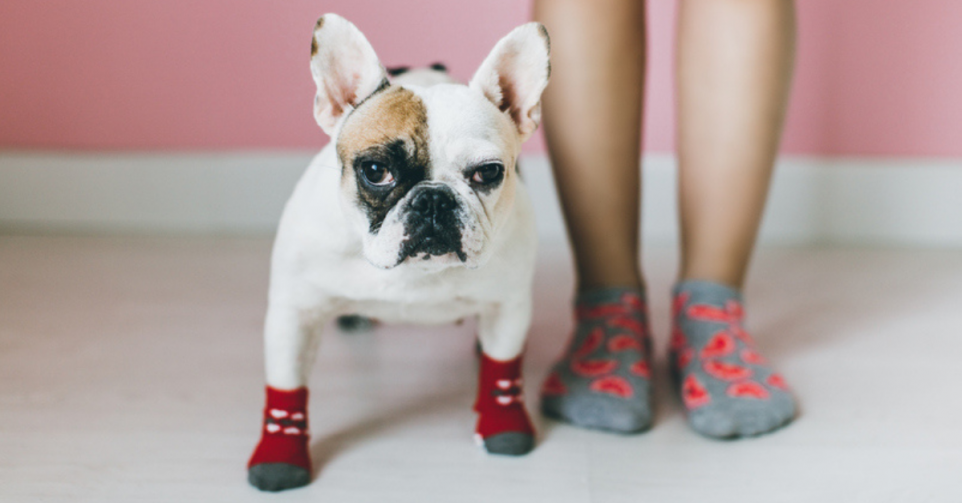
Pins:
<point x="629" y="304"/>
<point x="613" y="385"/>
<point x="500" y="404"/>
<point x="628" y="324"/>
<point x="678" y="304"/>
<point x="777" y="381"/>
<point x="621" y="332"/>
<point x="553" y="385"/>
<point x="593" y="368"/>
<point x="693" y="393"/>
<point x="633" y="301"/>
<point x="683" y="357"/>
<point x="284" y="437"/>
<point x="678" y="340"/>
<point x="591" y="343"/>
<point x="721" y="344"/>
<point x="622" y="342"/>
<point x="726" y="371"/>
<point x="751" y="356"/>
<point x="732" y="314"/>
<point x="748" y="389"/>
<point x="641" y="369"/>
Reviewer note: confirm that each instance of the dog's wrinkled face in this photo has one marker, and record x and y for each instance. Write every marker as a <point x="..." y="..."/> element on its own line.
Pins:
<point x="428" y="173"/>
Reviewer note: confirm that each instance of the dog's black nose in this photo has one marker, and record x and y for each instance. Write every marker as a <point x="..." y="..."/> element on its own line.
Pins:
<point x="432" y="224"/>
<point x="433" y="201"/>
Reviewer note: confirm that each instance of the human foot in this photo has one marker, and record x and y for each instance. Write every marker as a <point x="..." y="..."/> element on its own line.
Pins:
<point x="603" y="380"/>
<point x="728" y="389"/>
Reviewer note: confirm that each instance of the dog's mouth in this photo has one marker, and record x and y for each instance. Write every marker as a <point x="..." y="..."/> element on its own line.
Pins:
<point x="432" y="239"/>
<point x="432" y="227"/>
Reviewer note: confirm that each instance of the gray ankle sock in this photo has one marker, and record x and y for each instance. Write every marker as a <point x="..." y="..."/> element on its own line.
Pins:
<point x="603" y="379"/>
<point x="728" y="389"/>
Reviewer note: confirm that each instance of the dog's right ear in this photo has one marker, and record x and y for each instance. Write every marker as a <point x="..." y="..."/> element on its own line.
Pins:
<point x="345" y="69"/>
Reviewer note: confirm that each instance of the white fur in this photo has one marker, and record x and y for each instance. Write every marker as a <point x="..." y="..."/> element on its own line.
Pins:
<point x="465" y="130"/>
<point x="515" y="74"/>
<point x="345" y="69"/>
<point x="325" y="262"/>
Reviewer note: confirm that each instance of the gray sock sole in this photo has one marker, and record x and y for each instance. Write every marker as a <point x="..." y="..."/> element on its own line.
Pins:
<point x="598" y="412"/>
<point x="511" y="443"/>
<point x="275" y="477"/>
<point x="742" y="423"/>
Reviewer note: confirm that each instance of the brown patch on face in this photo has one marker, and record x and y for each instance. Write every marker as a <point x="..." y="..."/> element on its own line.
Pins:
<point x="395" y="113"/>
<point x="388" y="129"/>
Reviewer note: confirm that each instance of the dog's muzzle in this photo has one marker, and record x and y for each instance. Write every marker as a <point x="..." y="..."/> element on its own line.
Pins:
<point x="432" y="225"/>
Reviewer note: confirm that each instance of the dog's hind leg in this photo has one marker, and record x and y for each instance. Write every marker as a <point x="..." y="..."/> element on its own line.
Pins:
<point x="281" y="459"/>
<point x="503" y="424"/>
<point x="354" y="323"/>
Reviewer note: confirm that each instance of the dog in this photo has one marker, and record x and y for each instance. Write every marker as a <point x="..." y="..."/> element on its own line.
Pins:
<point x="414" y="213"/>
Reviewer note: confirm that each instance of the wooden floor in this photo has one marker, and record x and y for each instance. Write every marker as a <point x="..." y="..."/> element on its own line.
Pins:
<point x="130" y="370"/>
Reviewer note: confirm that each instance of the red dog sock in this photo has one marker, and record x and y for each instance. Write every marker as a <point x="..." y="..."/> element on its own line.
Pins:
<point x="281" y="459"/>
<point x="503" y="424"/>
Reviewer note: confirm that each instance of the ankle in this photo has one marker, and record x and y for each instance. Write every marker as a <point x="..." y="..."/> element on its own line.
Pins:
<point x="735" y="281"/>
<point x="589" y="280"/>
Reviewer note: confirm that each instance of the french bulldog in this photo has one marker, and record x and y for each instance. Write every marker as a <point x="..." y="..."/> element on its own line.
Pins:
<point x="413" y="213"/>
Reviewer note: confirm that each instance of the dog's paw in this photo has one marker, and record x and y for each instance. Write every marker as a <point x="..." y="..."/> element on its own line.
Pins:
<point x="277" y="476"/>
<point x="511" y="443"/>
<point x="353" y="323"/>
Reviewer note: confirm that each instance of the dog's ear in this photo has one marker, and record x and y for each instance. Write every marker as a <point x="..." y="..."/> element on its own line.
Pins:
<point x="515" y="74"/>
<point x="345" y="69"/>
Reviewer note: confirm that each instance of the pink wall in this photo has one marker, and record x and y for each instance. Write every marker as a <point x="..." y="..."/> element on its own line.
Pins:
<point x="875" y="77"/>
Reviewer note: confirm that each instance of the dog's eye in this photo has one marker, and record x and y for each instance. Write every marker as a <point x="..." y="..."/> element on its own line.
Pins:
<point x="487" y="174"/>
<point x="377" y="173"/>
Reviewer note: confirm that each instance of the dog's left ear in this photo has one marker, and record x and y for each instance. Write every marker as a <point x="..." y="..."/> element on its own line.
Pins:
<point x="345" y="69"/>
<point x="515" y="74"/>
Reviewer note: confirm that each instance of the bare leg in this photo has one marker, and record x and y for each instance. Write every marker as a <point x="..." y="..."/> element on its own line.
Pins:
<point x="735" y="61"/>
<point x="592" y="121"/>
<point x="592" y="118"/>
<point x="734" y="70"/>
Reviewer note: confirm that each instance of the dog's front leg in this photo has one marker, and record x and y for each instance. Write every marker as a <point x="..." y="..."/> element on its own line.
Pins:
<point x="281" y="459"/>
<point x="503" y="424"/>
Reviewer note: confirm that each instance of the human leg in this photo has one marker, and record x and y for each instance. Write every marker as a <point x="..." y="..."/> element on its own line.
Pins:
<point x="592" y="120"/>
<point x="734" y="69"/>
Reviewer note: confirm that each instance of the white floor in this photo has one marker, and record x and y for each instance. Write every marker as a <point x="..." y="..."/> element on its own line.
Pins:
<point x="130" y="371"/>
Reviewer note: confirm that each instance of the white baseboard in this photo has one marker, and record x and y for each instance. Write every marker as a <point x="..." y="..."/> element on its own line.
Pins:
<point x="914" y="202"/>
<point x="142" y="192"/>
